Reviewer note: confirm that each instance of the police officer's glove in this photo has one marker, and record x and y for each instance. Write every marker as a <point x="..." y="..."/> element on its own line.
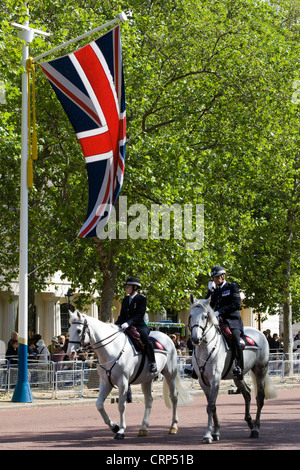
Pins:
<point x="124" y="326"/>
<point x="211" y="286"/>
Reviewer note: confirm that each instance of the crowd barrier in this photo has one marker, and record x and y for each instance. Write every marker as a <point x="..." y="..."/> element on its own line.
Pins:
<point x="67" y="379"/>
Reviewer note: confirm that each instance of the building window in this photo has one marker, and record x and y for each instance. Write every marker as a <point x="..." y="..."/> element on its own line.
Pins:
<point x="64" y="317"/>
<point x="171" y="315"/>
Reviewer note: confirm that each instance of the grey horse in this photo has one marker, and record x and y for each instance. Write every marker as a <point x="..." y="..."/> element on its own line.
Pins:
<point x="119" y="365"/>
<point x="212" y="361"/>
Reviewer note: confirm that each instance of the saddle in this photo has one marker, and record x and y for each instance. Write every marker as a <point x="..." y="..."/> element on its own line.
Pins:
<point x="135" y="337"/>
<point x="246" y="342"/>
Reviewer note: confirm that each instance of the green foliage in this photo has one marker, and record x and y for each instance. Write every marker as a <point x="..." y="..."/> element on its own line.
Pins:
<point x="210" y="120"/>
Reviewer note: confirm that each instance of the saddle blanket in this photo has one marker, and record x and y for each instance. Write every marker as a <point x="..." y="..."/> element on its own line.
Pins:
<point x="246" y="342"/>
<point x="249" y="342"/>
<point x="158" y="347"/>
<point x="156" y="344"/>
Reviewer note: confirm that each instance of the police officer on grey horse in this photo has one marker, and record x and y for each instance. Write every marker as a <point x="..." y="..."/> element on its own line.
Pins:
<point x="132" y="314"/>
<point x="225" y="299"/>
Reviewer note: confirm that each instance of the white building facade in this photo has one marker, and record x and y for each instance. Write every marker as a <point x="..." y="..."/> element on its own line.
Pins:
<point x="51" y="318"/>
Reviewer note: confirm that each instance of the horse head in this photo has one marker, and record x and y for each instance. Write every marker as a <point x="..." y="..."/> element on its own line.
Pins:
<point x="79" y="333"/>
<point x="201" y="318"/>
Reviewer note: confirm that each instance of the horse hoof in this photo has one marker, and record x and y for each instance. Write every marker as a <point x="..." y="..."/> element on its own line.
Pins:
<point x="206" y="440"/>
<point x="173" y="430"/>
<point x="216" y="437"/>
<point x="142" y="433"/>
<point x="115" y="429"/>
<point x="119" y="436"/>
<point x="254" y="434"/>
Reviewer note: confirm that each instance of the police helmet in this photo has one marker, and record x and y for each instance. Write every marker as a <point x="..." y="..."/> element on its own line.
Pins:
<point x="132" y="281"/>
<point x="217" y="271"/>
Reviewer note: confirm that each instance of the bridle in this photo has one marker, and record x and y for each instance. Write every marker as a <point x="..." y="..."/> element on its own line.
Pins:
<point x="203" y="328"/>
<point x="85" y="328"/>
<point x="99" y="345"/>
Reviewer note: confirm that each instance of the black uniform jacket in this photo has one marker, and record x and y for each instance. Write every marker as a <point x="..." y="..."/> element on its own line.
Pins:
<point x="133" y="314"/>
<point x="227" y="301"/>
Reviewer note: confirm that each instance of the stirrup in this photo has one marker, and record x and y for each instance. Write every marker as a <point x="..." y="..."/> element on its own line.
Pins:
<point x="237" y="372"/>
<point x="152" y="367"/>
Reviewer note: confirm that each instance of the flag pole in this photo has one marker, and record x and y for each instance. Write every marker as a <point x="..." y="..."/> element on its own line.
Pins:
<point x="121" y="17"/>
<point x="22" y="392"/>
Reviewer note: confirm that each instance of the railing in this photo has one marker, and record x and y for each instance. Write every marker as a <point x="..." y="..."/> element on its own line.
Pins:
<point x="80" y="378"/>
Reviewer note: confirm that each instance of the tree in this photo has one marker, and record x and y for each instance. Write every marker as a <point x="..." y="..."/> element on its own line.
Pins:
<point x="209" y="115"/>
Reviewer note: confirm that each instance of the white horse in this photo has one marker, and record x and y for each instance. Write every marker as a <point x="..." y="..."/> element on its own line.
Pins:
<point x="213" y="361"/>
<point x="121" y="365"/>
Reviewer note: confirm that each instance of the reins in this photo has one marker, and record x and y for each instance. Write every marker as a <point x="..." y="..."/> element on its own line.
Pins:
<point x="95" y="347"/>
<point x="204" y="333"/>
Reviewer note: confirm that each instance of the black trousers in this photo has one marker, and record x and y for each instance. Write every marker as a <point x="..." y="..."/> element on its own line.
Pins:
<point x="237" y="348"/>
<point x="144" y="332"/>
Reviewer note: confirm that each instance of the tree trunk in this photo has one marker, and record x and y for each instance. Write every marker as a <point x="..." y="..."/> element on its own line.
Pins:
<point x="287" y="328"/>
<point x="287" y="310"/>
<point x="109" y="268"/>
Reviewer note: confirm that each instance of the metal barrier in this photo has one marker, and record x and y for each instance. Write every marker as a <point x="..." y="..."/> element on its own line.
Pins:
<point x="80" y="378"/>
<point x="3" y="375"/>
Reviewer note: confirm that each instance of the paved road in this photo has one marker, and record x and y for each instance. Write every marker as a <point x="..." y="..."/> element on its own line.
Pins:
<point x="74" y="427"/>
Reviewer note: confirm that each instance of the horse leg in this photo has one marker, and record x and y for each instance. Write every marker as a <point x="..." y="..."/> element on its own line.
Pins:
<point x="246" y="392"/>
<point x="171" y="384"/>
<point x="123" y="389"/>
<point x="148" y="399"/>
<point x="104" y="390"/>
<point x="260" y="397"/>
<point x="211" y="433"/>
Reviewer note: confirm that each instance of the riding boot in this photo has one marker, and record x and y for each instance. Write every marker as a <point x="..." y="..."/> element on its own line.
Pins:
<point x="239" y="361"/>
<point x="150" y="353"/>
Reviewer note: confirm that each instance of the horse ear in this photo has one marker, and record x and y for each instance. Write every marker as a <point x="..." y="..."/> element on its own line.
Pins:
<point x="207" y="301"/>
<point x="192" y="300"/>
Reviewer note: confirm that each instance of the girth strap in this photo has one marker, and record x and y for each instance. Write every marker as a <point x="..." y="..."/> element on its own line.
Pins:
<point x="140" y="368"/>
<point x="108" y="371"/>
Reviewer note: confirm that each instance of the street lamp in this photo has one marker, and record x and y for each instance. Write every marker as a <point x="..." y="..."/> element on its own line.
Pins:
<point x="69" y="296"/>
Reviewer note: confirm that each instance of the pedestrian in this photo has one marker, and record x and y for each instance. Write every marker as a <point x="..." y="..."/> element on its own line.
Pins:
<point x="52" y="346"/>
<point x="42" y="351"/>
<point x="12" y="351"/>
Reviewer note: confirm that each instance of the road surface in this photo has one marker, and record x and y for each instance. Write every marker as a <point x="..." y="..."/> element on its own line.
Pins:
<point x="80" y="427"/>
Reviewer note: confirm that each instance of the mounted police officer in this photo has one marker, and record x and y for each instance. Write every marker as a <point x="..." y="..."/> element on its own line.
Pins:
<point x="225" y="299"/>
<point x="132" y="314"/>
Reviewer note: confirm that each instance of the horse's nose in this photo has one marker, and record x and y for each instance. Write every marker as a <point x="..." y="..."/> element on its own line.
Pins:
<point x="195" y="339"/>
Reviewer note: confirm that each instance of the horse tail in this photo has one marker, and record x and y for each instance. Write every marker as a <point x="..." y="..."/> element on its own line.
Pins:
<point x="184" y="396"/>
<point x="270" y="390"/>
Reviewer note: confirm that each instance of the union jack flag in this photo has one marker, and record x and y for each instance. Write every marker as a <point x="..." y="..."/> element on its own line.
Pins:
<point x="89" y="83"/>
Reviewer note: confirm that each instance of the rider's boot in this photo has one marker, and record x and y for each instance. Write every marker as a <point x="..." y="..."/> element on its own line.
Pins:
<point x="239" y="362"/>
<point x="151" y="356"/>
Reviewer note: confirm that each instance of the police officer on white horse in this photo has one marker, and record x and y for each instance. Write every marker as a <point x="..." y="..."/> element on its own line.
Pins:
<point x="225" y="299"/>
<point x="132" y="314"/>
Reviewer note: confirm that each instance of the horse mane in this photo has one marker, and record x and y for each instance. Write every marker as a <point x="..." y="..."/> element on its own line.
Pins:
<point x="76" y="315"/>
<point x="203" y="303"/>
<point x="206" y="305"/>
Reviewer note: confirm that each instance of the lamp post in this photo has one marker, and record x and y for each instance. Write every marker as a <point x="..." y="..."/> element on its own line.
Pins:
<point x="69" y="296"/>
<point x="22" y="391"/>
